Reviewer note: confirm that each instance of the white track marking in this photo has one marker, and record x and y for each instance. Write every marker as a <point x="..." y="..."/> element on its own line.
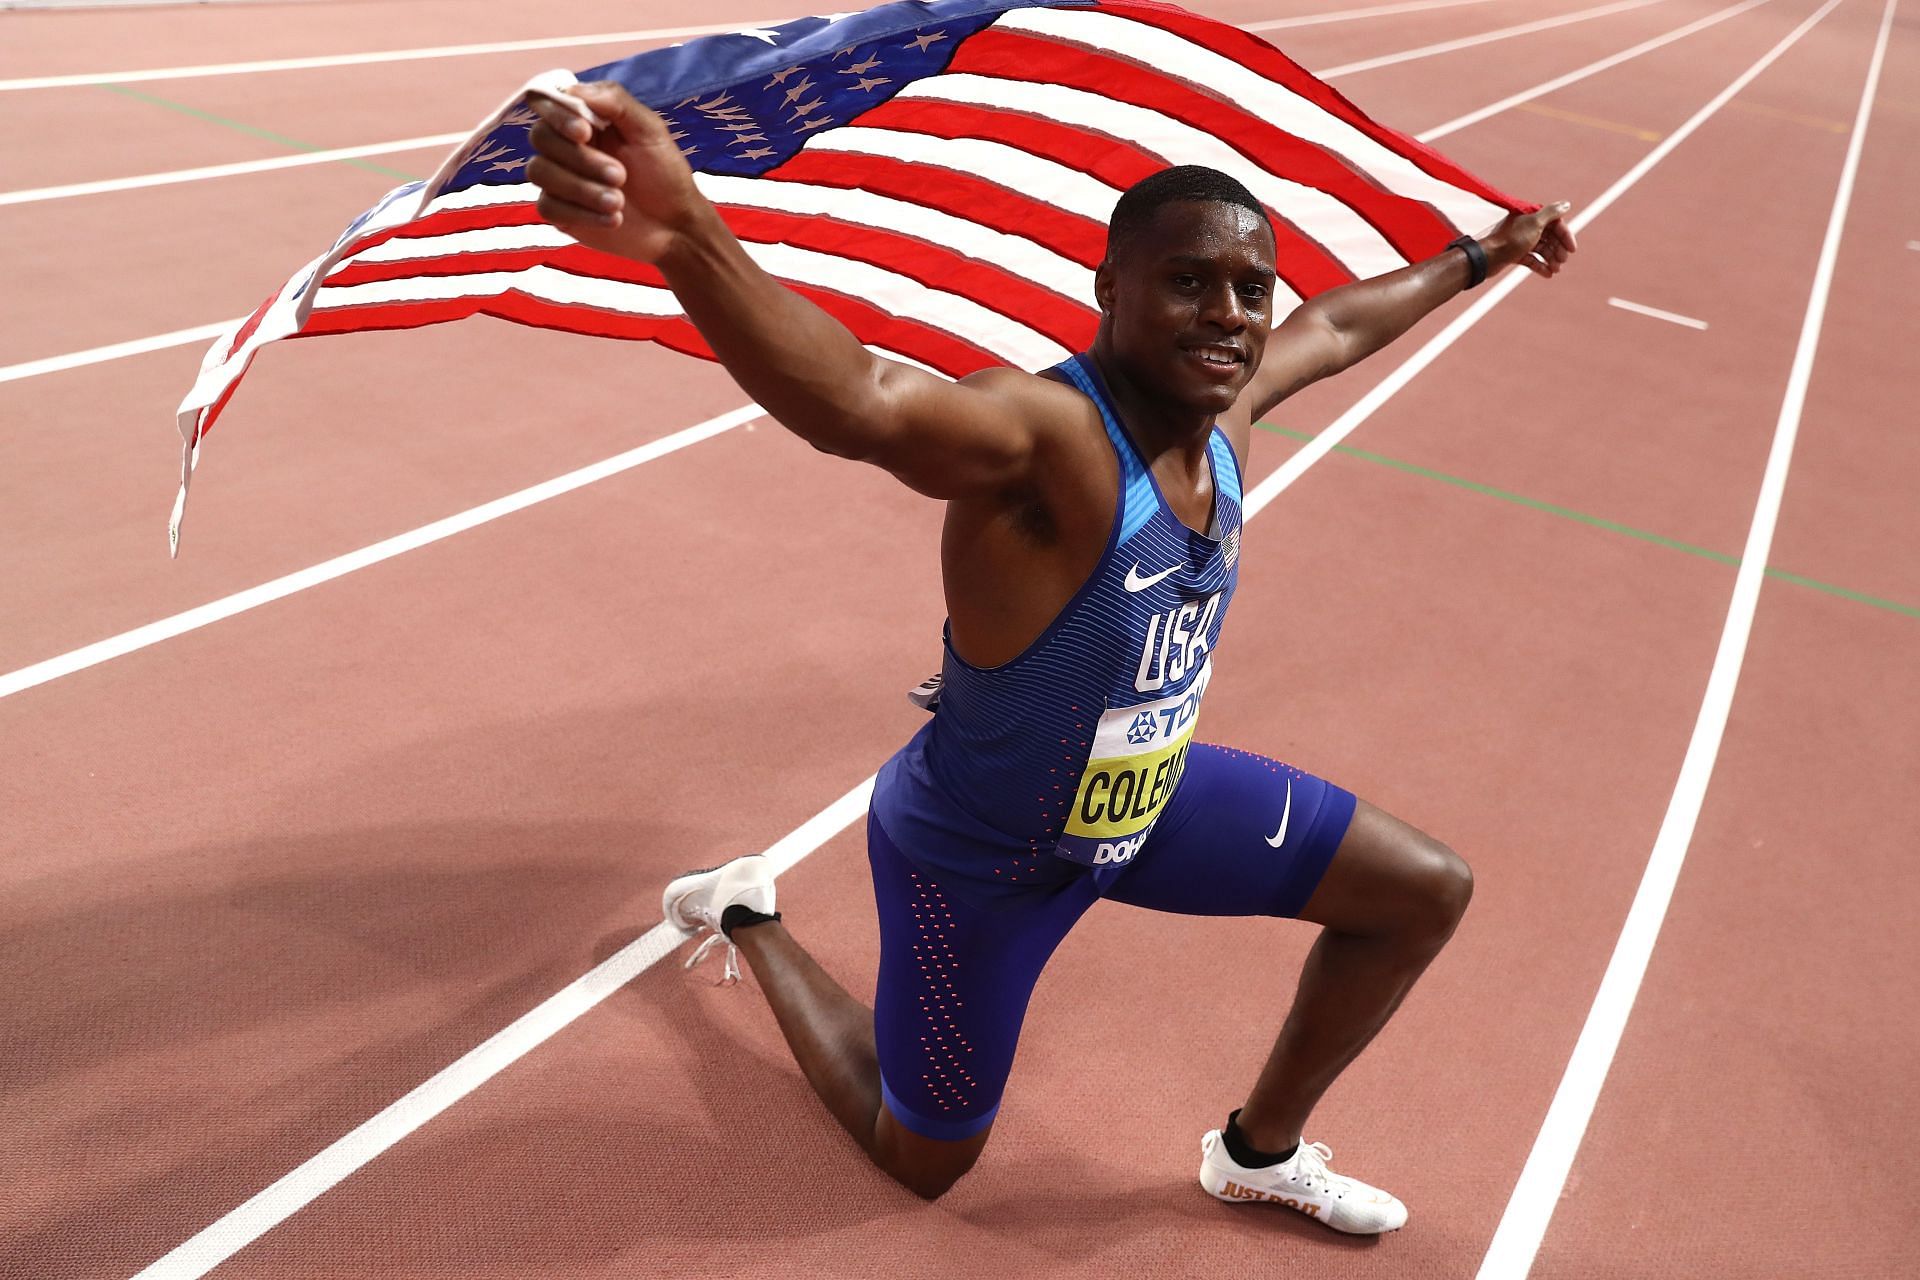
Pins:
<point x="1257" y="498"/>
<point x="362" y="59"/>
<point x="1348" y="15"/>
<point x="1485" y="37"/>
<point x="113" y="351"/>
<point x="1388" y="387"/>
<point x="270" y="1207"/>
<point x="1524" y="1224"/>
<point x="1581" y="73"/>
<point x="253" y="597"/>
<point x="1672" y="317"/>
<point x="561" y="42"/>
<point x="242" y="167"/>
<point x="235" y="1230"/>
<point x="36" y="194"/>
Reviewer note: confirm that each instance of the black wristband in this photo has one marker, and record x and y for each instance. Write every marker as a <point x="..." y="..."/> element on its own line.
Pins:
<point x="1476" y="259"/>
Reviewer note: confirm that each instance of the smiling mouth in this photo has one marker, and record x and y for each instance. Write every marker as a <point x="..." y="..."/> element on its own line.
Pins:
<point x="1218" y="357"/>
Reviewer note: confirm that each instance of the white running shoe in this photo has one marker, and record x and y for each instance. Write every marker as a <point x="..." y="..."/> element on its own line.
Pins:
<point x="1304" y="1183"/>
<point x="695" y="901"/>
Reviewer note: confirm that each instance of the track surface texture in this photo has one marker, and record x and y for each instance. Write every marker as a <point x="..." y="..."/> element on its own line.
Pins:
<point x="263" y="878"/>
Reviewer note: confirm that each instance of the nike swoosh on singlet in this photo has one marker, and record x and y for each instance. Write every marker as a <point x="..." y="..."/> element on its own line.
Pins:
<point x="1137" y="583"/>
<point x="1279" y="837"/>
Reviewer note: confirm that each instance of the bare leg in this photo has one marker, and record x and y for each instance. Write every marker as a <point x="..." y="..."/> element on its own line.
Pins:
<point x="1389" y="901"/>
<point x="831" y="1035"/>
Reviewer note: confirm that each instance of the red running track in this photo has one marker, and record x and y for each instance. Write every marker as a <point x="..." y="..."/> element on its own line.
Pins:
<point x="260" y="880"/>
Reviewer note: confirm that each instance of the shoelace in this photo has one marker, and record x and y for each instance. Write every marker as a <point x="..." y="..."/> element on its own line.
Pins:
<point x="1311" y="1164"/>
<point x="728" y="975"/>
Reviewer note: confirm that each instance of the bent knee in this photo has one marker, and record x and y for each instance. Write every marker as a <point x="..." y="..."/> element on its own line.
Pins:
<point x="925" y="1166"/>
<point x="931" y="1181"/>
<point x="1440" y="887"/>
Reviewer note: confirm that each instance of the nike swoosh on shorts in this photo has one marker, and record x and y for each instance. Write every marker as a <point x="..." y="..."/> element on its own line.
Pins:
<point x="1279" y="837"/>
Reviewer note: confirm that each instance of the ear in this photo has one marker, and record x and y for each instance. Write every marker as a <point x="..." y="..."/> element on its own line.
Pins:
<point x="1103" y="286"/>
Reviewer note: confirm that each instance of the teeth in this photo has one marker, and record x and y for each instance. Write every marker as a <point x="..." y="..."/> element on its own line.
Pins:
<point x="1216" y="355"/>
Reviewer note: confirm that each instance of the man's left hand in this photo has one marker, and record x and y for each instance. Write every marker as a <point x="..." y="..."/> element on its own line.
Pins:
<point x="1540" y="241"/>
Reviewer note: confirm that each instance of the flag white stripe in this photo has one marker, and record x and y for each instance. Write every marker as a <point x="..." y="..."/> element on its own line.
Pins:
<point x="1004" y="166"/>
<point x="1014" y="254"/>
<point x="1323" y="218"/>
<point x="1170" y="55"/>
<point x="889" y="291"/>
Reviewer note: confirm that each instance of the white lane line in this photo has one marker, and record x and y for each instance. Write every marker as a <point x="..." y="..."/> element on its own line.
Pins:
<point x="140" y="637"/>
<point x="33" y="195"/>
<point x="1485" y="37"/>
<point x="1388" y="387"/>
<point x="1671" y="317"/>
<point x="1524" y="1224"/>
<point x="1348" y="15"/>
<point x="235" y="1230"/>
<point x="563" y="42"/>
<point x="53" y="364"/>
<point x="365" y="59"/>
<point x="253" y="597"/>
<point x="112" y="351"/>
<point x="1581" y="73"/>
<point x="272" y="1206"/>
<point x="107" y="185"/>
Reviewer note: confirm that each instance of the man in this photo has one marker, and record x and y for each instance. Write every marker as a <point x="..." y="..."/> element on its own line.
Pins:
<point x="1089" y="555"/>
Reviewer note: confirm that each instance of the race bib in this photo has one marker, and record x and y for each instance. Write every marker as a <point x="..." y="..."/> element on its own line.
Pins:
<point x="1138" y="754"/>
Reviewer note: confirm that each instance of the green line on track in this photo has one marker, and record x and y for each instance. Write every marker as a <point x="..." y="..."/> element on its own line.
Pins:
<point x="239" y="127"/>
<point x="1598" y="522"/>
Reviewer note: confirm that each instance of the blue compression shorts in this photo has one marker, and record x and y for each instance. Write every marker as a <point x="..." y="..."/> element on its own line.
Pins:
<point x="957" y="967"/>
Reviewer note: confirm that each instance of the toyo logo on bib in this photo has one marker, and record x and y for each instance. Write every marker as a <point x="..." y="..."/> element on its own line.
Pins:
<point x="1138" y="754"/>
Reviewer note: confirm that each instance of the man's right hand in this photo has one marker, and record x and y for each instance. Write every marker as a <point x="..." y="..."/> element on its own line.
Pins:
<point x="624" y="188"/>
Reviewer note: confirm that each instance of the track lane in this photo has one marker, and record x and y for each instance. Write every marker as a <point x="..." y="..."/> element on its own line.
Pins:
<point x="1034" y="1156"/>
<point x="1767" y="1030"/>
<point x="1492" y="663"/>
<point x="132" y="594"/>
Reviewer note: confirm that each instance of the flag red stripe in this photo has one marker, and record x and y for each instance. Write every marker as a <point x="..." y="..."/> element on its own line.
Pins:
<point x="951" y="355"/>
<point x="1305" y="265"/>
<point x="1412" y="228"/>
<point x="1256" y="54"/>
<point x="976" y="199"/>
<point x="1068" y="323"/>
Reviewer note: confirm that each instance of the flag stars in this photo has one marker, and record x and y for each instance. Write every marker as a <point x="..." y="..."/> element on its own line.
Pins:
<point x="799" y="91"/>
<point x="780" y="77"/>
<point x="861" y="67"/>
<point x="869" y="84"/>
<point x="758" y="153"/>
<point x="507" y="166"/>
<point x="924" y="42"/>
<point x="805" y="109"/>
<point x="766" y="34"/>
<point x="818" y="122"/>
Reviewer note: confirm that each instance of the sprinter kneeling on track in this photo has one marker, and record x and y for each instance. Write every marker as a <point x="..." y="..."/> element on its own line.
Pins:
<point x="1090" y="553"/>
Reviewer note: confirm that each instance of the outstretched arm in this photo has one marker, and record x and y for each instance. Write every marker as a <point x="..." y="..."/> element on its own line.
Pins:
<point x="1341" y="327"/>
<point x="625" y="189"/>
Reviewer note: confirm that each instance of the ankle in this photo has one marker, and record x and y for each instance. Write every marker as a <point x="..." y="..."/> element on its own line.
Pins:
<point x="1257" y="1150"/>
<point x="743" y="917"/>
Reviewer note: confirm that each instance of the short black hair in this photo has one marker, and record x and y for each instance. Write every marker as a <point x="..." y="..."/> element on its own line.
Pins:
<point x="1181" y="183"/>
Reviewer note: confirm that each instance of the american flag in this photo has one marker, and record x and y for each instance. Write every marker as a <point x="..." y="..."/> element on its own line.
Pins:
<point x="937" y="174"/>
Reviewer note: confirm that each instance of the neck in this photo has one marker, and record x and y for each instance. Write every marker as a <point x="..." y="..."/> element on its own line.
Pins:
<point x="1156" y="423"/>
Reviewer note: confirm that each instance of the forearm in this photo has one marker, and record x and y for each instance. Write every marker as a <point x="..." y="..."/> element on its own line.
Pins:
<point x="1369" y="314"/>
<point x="798" y="362"/>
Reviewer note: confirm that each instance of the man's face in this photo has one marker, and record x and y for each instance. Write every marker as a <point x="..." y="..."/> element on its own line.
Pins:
<point x="1189" y="302"/>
